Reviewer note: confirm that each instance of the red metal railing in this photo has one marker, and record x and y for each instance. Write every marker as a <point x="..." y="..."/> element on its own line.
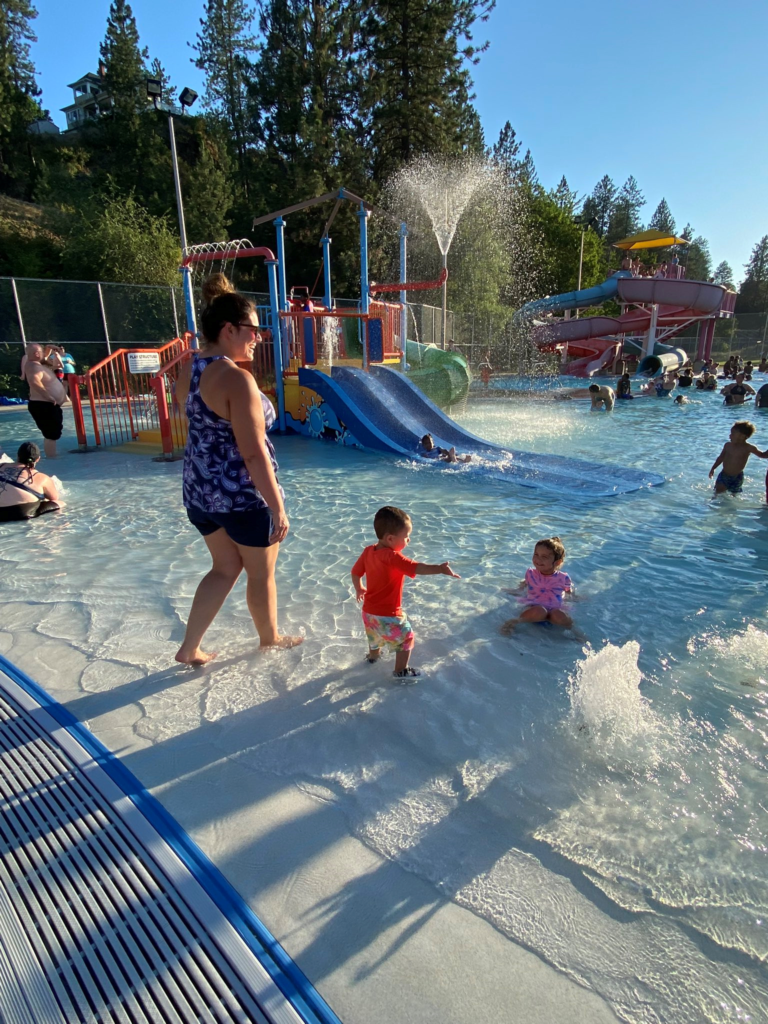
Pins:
<point x="171" y="418"/>
<point x="121" y="403"/>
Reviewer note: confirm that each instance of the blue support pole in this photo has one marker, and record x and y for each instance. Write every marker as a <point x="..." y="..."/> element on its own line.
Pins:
<point x="189" y="304"/>
<point x="403" y="295"/>
<point x="274" y="310"/>
<point x="327" y="299"/>
<point x="282" y="294"/>
<point x="365" y="298"/>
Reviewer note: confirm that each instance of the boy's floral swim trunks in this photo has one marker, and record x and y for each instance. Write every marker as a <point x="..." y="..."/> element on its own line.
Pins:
<point x="390" y="632"/>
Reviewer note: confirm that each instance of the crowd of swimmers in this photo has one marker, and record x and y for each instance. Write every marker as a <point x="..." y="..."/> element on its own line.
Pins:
<point x="733" y="382"/>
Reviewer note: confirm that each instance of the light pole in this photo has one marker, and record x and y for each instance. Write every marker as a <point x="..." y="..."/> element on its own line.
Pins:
<point x="186" y="98"/>
<point x="585" y="226"/>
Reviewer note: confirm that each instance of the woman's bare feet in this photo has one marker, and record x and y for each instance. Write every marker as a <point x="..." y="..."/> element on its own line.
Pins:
<point x="194" y="657"/>
<point x="283" y="642"/>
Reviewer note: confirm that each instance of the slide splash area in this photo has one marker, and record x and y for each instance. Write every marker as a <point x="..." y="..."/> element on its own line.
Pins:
<point x="386" y="412"/>
<point x="593" y="342"/>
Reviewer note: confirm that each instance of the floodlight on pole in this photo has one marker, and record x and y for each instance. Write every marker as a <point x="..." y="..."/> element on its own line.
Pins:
<point x="187" y="98"/>
<point x="154" y="90"/>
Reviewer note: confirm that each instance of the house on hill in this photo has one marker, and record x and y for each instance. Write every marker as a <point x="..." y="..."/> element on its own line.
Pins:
<point x="90" y="100"/>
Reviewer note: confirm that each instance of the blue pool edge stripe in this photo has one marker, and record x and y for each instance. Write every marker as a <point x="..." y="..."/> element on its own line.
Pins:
<point x="286" y="974"/>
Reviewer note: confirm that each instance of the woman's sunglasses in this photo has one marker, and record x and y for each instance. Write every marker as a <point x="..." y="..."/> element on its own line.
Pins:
<point x="251" y="327"/>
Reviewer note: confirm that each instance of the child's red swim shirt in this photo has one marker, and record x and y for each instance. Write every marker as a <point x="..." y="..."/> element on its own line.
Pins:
<point x="385" y="571"/>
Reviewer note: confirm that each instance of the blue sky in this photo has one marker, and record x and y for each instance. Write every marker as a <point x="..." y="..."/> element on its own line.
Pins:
<point x="673" y="93"/>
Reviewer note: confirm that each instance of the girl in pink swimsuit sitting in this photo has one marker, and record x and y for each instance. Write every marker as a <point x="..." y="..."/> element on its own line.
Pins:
<point x="544" y="587"/>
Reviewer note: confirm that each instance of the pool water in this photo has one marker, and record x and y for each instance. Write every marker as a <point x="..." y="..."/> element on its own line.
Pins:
<point x="602" y="804"/>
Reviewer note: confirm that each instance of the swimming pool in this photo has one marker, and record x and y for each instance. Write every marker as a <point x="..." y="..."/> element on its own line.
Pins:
<point x="604" y="810"/>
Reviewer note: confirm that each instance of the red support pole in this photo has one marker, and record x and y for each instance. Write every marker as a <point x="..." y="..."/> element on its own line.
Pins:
<point x="74" y="381"/>
<point x="92" y="400"/>
<point x="166" y="434"/>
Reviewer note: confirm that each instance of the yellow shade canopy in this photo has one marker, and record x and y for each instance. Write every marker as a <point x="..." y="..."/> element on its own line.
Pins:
<point x="651" y="240"/>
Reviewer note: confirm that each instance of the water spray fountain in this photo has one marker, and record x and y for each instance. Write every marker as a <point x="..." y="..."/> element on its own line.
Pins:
<point x="444" y="189"/>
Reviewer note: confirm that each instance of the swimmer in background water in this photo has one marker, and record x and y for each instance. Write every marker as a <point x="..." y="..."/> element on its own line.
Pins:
<point x="544" y="586"/>
<point x="602" y="397"/>
<point x="734" y="457"/>
<point x="624" y="387"/>
<point x="680" y="400"/>
<point x="737" y="393"/>
<point x="706" y="382"/>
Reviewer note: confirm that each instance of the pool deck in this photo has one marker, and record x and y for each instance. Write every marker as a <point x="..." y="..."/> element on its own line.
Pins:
<point x="369" y="934"/>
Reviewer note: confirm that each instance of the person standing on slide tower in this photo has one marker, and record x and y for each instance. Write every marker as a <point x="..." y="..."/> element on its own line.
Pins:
<point x="231" y="491"/>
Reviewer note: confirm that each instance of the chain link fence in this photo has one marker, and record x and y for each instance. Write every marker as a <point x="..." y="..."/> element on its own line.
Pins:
<point x="92" y="318"/>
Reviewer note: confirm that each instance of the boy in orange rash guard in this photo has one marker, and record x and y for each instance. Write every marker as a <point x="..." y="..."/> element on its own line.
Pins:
<point x="385" y="568"/>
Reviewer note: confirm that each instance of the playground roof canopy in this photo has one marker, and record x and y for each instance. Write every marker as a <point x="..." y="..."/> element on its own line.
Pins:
<point x="652" y="239"/>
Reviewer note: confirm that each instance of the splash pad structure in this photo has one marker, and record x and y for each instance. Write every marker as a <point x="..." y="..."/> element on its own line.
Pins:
<point x="340" y="374"/>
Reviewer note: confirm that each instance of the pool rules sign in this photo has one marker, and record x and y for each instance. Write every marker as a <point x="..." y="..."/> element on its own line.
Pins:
<point x="143" y="362"/>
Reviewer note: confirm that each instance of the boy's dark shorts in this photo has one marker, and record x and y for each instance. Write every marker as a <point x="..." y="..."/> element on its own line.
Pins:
<point x="48" y="417"/>
<point x="251" y="529"/>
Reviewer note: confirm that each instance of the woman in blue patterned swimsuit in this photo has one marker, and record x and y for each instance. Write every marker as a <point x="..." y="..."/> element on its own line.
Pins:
<point x="231" y="491"/>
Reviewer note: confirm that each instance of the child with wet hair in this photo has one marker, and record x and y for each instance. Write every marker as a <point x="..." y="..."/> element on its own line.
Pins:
<point x="734" y="457"/>
<point x="385" y="567"/>
<point x="545" y="586"/>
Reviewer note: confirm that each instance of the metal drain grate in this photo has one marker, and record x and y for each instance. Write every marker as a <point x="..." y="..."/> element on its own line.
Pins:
<point x="100" y="919"/>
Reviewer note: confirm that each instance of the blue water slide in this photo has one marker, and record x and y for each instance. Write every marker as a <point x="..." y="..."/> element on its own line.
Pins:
<point x="574" y="300"/>
<point x="386" y="412"/>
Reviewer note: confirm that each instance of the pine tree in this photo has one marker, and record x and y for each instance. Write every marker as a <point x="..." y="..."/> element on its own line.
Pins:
<point x="18" y="92"/>
<point x="16" y="35"/>
<point x="662" y="219"/>
<point x="305" y="89"/>
<point x="303" y="101"/>
<point x="564" y="196"/>
<point x="505" y="153"/>
<point x="124" y="62"/>
<point x="224" y="50"/>
<point x="753" y="293"/>
<point x="724" y="275"/>
<point x="526" y="173"/>
<point x="625" y="215"/>
<point x="158" y="72"/>
<point x="418" y="87"/>
<point x="208" y="195"/>
<point x="698" y="261"/>
<point x="599" y="204"/>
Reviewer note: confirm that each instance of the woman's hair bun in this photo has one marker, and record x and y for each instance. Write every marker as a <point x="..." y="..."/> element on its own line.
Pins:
<point x="214" y="286"/>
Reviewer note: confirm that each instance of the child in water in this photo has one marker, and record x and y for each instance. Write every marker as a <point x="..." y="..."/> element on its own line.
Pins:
<point x="385" y="568"/>
<point x="733" y="458"/>
<point x="544" y="586"/>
